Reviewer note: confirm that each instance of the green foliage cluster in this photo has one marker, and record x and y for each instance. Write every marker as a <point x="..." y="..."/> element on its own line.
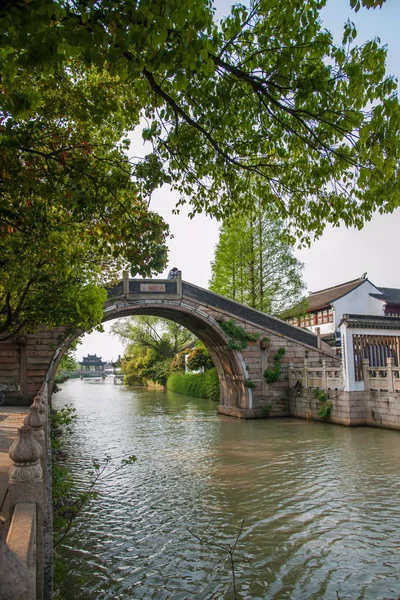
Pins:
<point x="272" y="374"/>
<point x="356" y="4"/>
<point x="199" y="358"/>
<point x="200" y="385"/>
<point x="67" y="367"/>
<point x="153" y="345"/>
<point x="325" y="405"/>
<point x="61" y="423"/>
<point x="147" y="368"/>
<point x="255" y="264"/>
<point x="178" y="362"/>
<point x="238" y="336"/>
<point x="157" y="348"/>
<point x="249" y="384"/>
<point x="266" y="410"/>
<point x="261" y="106"/>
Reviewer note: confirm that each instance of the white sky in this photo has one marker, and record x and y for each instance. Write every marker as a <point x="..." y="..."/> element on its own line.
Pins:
<point x="340" y="255"/>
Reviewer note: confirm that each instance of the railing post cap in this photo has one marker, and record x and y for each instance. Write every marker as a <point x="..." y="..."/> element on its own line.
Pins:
<point x="36" y="417"/>
<point x="25" y="451"/>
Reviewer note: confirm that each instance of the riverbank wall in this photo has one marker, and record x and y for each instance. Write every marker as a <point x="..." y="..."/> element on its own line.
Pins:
<point x="354" y="409"/>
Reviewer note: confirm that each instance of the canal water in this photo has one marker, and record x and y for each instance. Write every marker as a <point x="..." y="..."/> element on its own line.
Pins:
<point x="321" y="502"/>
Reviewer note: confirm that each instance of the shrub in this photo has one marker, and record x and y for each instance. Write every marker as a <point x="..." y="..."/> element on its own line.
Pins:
<point x="178" y="362"/>
<point x="325" y="405"/>
<point x="273" y="373"/>
<point x="199" y="385"/>
<point x="238" y="336"/>
<point x="199" y="358"/>
<point x="212" y="385"/>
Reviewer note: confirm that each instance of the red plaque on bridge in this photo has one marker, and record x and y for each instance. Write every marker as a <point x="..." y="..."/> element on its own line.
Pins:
<point x="152" y="287"/>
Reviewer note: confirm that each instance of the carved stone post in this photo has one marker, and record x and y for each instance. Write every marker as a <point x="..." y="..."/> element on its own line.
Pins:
<point x="26" y="485"/>
<point x="389" y="375"/>
<point x="179" y="284"/>
<point x="365" y="367"/>
<point x="39" y="403"/>
<point x="36" y="419"/>
<point x="305" y="374"/>
<point x="324" y="379"/>
<point x="318" y="332"/>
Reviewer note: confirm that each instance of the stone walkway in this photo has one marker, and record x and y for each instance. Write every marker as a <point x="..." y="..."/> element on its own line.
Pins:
<point x="11" y="418"/>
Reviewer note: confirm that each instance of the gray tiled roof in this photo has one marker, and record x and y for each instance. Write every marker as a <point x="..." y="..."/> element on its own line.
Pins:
<point x="323" y="298"/>
<point x="390" y="295"/>
<point x="371" y="322"/>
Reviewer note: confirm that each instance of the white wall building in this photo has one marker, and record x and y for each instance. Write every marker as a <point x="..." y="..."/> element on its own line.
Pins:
<point x="326" y="308"/>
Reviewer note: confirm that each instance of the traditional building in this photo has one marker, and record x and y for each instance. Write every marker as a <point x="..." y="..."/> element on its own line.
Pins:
<point x="325" y="309"/>
<point x="92" y="363"/>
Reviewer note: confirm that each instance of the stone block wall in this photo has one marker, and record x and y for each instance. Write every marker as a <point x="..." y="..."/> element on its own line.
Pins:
<point x="9" y="369"/>
<point x="382" y="409"/>
<point x="24" y="362"/>
<point x="306" y="406"/>
<point x="274" y="397"/>
<point x="376" y="409"/>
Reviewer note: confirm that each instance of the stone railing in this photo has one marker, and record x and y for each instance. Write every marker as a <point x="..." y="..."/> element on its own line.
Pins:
<point x="322" y="376"/>
<point x="381" y="378"/>
<point x="28" y="494"/>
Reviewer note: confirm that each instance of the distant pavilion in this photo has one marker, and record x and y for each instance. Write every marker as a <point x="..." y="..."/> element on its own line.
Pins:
<point x="92" y="363"/>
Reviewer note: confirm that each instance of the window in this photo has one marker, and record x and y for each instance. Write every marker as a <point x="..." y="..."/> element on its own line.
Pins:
<point x="323" y="316"/>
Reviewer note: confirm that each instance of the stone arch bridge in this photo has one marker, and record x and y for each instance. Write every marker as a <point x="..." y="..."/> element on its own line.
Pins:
<point x="26" y="361"/>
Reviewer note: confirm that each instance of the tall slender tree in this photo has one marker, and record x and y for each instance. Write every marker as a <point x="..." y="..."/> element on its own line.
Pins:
<point x="255" y="264"/>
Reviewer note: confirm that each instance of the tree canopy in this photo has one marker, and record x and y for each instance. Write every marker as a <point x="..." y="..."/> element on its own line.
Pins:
<point x="254" y="264"/>
<point x="152" y="343"/>
<point x="266" y="92"/>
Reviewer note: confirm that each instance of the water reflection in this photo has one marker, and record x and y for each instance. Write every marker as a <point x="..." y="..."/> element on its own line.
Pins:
<point x="321" y="502"/>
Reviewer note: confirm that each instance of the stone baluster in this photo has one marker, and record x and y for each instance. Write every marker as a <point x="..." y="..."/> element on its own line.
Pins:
<point x="36" y="420"/>
<point x="365" y="368"/>
<point x="324" y="377"/>
<point x="26" y="453"/>
<point x="318" y="333"/>
<point x="125" y="282"/>
<point x="305" y="374"/>
<point x="26" y="485"/>
<point x="40" y="405"/>
<point x="389" y="374"/>
<point x="43" y="394"/>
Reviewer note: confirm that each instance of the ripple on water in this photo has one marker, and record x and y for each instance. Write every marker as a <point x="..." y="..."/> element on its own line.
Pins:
<point x="321" y="503"/>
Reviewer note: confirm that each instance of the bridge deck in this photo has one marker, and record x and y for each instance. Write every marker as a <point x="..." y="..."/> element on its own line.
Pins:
<point x="249" y="314"/>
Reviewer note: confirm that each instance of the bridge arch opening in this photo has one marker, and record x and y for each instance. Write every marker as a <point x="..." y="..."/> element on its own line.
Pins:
<point x="229" y="363"/>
